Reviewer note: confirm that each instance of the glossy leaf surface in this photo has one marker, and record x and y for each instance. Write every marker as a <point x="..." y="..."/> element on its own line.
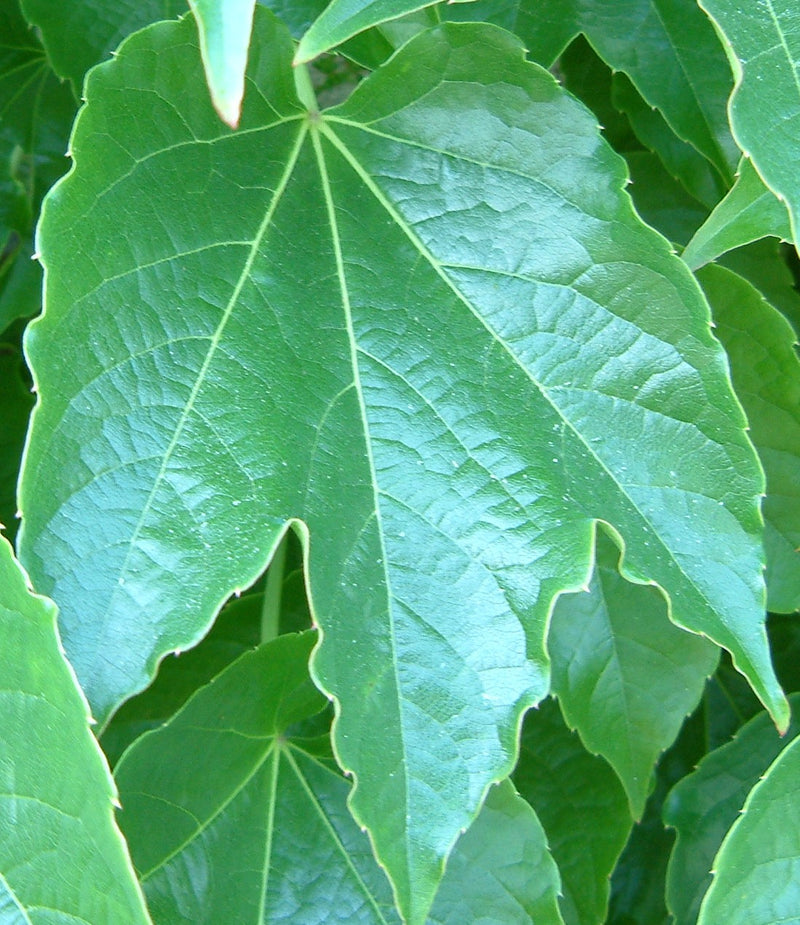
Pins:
<point x="401" y="333"/>
<point x="626" y="677"/>
<point x="582" y="806"/>
<point x="757" y="869"/>
<point x="668" y="49"/>
<point x="342" y="19"/>
<point x="224" y="28"/>
<point x="80" y="34"/>
<point x="766" y="376"/>
<point x="237" y="766"/>
<point x="706" y="803"/>
<point x="764" y="48"/>
<point x="54" y="784"/>
<point x="750" y="211"/>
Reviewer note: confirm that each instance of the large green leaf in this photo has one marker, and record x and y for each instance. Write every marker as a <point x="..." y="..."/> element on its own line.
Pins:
<point x="35" y="117"/>
<point x="79" y="34"/>
<point x="224" y="29"/>
<point x="766" y="376"/>
<point x="706" y="803"/>
<point x="626" y="677"/>
<point x="757" y="869"/>
<point x="582" y="806"/>
<point x="750" y="211"/>
<point x="62" y="858"/>
<point x="667" y="47"/>
<point x="426" y="329"/>
<point x="763" y="42"/>
<point x="236" y="766"/>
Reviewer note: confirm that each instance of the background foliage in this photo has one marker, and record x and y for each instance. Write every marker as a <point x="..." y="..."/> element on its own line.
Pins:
<point x="414" y="461"/>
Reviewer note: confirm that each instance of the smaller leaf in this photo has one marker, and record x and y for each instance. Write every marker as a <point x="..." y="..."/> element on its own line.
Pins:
<point x="763" y="44"/>
<point x="224" y="27"/>
<point x="750" y="211"/>
<point x="704" y="805"/>
<point x="343" y="19"/>
<point x="240" y="787"/>
<point x="582" y="806"/>
<point x="661" y="200"/>
<point x="55" y="789"/>
<point x="766" y="377"/>
<point x="763" y="264"/>
<point x="625" y="675"/>
<point x="500" y="869"/>
<point x="681" y="160"/>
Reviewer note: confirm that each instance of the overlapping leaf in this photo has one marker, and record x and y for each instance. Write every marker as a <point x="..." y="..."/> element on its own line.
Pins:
<point x="425" y="327"/>
<point x="55" y="789"/>
<point x="766" y="375"/>
<point x="705" y="804"/>
<point x="750" y="211"/>
<point x="764" y="48"/>
<point x="625" y="676"/>
<point x="756" y="868"/>
<point x="224" y="29"/>
<point x="583" y="809"/>
<point x="239" y="765"/>
<point x="667" y="47"/>
<point x="342" y="19"/>
<point x="79" y="34"/>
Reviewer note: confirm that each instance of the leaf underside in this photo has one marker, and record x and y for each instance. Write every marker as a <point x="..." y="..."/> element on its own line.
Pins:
<point x="423" y="335"/>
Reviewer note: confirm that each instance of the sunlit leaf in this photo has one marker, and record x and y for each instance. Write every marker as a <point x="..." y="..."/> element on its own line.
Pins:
<point x="625" y="676"/>
<point x="750" y="211"/>
<point x="766" y="376"/>
<point x="667" y="48"/>
<point x="55" y="789"/>
<point x="436" y="346"/>
<point x="706" y="803"/>
<point x="764" y="48"/>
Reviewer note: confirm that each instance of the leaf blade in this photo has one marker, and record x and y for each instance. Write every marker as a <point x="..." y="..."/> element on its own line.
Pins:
<point x="56" y="785"/>
<point x="190" y="486"/>
<point x="224" y="29"/>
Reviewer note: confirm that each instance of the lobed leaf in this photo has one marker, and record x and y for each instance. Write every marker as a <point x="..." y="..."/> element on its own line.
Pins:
<point x="625" y="676"/>
<point x="427" y="330"/>
<point x="749" y="211"/>
<point x="766" y="376"/>
<point x="237" y="765"/>
<point x="763" y="44"/>
<point x="55" y="789"/>
<point x="706" y="803"/>
<point x="666" y="47"/>
<point x="224" y="28"/>
<point x="582" y="806"/>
